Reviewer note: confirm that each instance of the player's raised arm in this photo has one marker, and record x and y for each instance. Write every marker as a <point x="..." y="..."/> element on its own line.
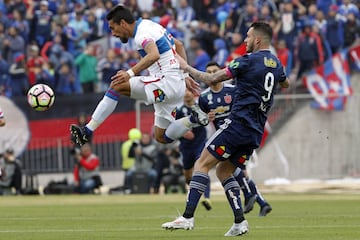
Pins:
<point x="152" y="55"/>
<point x="207" y="78"/>
<point x="180" y="49"/>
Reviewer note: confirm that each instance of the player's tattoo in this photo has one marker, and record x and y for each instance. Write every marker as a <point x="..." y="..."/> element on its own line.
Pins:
<point x="207" y="78"/>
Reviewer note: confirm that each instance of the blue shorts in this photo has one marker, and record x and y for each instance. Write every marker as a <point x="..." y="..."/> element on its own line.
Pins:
<point x="191" y="154"/>
<point x="234" y="141"/>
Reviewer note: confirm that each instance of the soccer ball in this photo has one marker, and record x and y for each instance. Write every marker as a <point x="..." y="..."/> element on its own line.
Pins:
<point x="40" y="97"/>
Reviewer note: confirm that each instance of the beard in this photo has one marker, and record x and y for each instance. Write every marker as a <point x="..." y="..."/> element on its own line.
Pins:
<point x="249" y="48"/>
<point x="124" y="40"/>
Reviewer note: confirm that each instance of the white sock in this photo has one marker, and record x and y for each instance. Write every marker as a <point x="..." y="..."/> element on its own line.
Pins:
<point x="103" y="110"/>
<point x="178" y="128"/>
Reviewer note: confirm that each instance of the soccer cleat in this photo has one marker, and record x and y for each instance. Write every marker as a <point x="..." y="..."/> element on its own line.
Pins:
<point x="238" y="229"/>
<point x="249" y="203"/>
<point x="207" y="204"/>
<point x="179" y="223"/>
<point x="265" y="210"/>
<point x="199" y="116"/>
<point x="79" y="135"/>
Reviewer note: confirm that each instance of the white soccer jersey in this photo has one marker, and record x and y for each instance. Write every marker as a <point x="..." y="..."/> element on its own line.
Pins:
<point x="147" y="30"/>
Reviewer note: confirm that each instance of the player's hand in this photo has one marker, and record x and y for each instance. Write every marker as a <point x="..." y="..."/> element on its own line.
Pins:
<point x="193" y="86"/>
<point x="211" y="115"/>
<point x="119" y="78"/>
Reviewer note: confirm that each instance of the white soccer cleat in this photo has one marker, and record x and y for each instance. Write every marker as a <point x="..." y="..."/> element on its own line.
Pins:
<point x="199" y="116"/>
<point x="238" y="229"/>
<point x="179" y="223"/>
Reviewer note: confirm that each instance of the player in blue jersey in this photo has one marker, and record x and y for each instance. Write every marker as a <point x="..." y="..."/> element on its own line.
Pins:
<point x="191" y="145"/>
<point x="256" y="75"/>
<point x="164" y="87"/>
<point x="216" y="101"/>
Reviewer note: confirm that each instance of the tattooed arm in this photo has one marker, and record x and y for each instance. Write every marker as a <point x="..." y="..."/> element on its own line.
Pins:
<point x="219" y="76"/>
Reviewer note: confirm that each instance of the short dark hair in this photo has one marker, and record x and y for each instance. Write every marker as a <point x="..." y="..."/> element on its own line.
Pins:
<point x="212" y="63"/>
<point x="119" y="12"/>
<point x="263" y="28"/>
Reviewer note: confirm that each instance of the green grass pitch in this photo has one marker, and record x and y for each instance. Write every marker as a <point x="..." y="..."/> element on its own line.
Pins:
<point x="294" y="216"/>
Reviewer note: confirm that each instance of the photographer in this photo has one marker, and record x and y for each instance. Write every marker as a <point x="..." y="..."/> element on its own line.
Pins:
<point x="11" y="174"/>
<point x="86" y="170"/>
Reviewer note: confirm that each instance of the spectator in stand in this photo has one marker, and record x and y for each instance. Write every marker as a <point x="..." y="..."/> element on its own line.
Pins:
<point x="351" y="30"/>
<point x="12" y="44"/>
<point x="335" y="29"/>
<point x="4" y="77"/>
<point x="2" y="37"/>
<point x="81" y="28"/>
<point x="238" y="47"/>
<point x="34" y="60"/>
<point x="11" y="173"/>
<point x="347" y="7"/>
<point x="21" y="24"/>
<point x="41" y="24"/>
<point x="17" y="5"/>
<point x="19" y="83"/>
<point x="207" y="36"/>
<point x="185" y="14"/>
<point x="44" y="73"/>
<point x="66" y="80"/>
<point x="309" y="51"/>
<point x="58" y="55"/>
<point x="107" y="67"/>
<point x="285" y="56"/>
<point x="93" y="27"/>
<point x="289" y="12"/>
<point x="201" y="56"/>
<point x="222" y="53"/>
<point x="86" y="170"/>
<point x="70" y="35"/>
<point x="86" y="63"/>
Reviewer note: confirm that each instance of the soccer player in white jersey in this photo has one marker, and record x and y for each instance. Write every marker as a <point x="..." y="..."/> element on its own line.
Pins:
<point x="164" y="87"/>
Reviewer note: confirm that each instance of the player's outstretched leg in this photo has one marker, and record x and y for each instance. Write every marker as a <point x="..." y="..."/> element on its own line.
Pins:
<point x="80" y="135"/>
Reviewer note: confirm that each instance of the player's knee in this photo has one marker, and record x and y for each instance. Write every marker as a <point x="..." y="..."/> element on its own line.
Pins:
<point x="224" y="170"/>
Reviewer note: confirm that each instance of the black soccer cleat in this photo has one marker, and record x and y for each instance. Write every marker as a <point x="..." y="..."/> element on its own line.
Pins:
<point x="199" y="116"/>
<point x="265" y="210"/>
<point x="249" y="203"/>
<point x="79" y="135"/>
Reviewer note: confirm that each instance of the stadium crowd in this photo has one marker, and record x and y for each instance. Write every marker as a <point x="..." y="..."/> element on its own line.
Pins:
<point x="52" y="41"/>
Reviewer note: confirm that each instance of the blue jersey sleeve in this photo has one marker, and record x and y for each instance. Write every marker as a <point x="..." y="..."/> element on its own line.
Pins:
<point x="239" y="65"/>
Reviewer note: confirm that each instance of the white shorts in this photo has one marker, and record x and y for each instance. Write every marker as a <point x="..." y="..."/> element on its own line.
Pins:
<point x="166" y="94"/>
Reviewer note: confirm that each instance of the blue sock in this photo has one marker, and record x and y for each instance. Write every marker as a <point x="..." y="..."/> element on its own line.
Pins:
<point x="198" y="185"/>
<point x="207" y="191"/>
<point x="232" y="191"/>
<point x="88" y="132"/>
<point x="259" y="199"/>
<point x="241" y="179"/>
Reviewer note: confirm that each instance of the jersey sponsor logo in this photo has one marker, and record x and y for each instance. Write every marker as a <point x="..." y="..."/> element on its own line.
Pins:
<point x="269" y="62"/>
<point x="222" y="109"/>
<point x="159" y="95"/>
